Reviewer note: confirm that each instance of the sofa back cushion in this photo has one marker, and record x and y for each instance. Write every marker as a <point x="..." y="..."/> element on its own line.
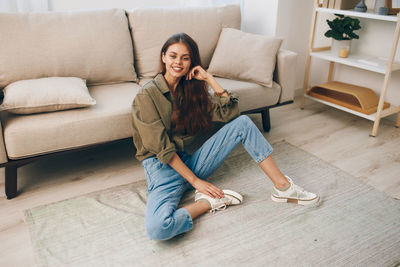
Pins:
<point x="93" y="45"/>
<point x="151" y="27"/>
<point x="245" y="56"/>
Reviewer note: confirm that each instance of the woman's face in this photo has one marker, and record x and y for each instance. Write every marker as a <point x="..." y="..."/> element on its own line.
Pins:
<point x="177" y="60"/>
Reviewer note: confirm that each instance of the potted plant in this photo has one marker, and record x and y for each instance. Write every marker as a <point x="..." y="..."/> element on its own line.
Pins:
<point x="342" y="31"/>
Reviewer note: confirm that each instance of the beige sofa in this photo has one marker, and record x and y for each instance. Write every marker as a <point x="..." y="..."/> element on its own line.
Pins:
<point x="116" y="51"/>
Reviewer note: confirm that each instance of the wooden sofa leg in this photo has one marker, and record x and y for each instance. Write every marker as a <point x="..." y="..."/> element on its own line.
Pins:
<point x="266" y="120"/>
<point x="11" y="181"/>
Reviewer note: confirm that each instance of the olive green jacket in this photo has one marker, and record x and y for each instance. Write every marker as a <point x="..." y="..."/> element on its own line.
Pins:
<point x="151" y="121"/>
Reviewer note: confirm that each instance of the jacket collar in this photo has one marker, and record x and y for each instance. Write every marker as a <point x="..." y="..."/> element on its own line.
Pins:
<point x="161" y="83"/>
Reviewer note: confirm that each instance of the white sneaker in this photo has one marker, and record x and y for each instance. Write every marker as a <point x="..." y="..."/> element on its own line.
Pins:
<point x="294" y="194"/>
<point x="230" y="198"/>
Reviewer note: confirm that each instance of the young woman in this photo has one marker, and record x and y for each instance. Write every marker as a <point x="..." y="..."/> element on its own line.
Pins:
<point x="183" y="134"/>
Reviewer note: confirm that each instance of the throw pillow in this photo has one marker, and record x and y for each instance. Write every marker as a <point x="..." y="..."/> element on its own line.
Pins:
<point x="245" y="56"/>
<point x="46" y="95"/>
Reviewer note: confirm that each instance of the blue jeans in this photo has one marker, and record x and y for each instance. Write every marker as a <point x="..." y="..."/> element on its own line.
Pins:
<point x="166" y="186"/>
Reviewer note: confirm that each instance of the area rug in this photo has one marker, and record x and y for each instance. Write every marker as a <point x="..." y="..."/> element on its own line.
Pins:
<point x="354" y="224"/>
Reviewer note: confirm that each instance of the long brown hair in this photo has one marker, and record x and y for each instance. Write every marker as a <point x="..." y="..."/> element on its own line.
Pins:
<point x="192" y="104"/>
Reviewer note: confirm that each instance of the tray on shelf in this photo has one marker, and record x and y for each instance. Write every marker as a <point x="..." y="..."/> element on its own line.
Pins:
<point x="351" y="96"/>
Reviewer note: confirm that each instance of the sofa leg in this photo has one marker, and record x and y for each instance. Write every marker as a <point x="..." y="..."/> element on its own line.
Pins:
<point x="11" y="181"/>
<point x="266" y="120"/>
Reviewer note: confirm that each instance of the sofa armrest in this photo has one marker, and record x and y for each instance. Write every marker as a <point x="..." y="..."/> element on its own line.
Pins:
<point x="285" y="74"/>
<point x="3" y="152"/>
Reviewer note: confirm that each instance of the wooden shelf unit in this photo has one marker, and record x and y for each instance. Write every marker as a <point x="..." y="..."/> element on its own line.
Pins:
<point x="365" y="62"/>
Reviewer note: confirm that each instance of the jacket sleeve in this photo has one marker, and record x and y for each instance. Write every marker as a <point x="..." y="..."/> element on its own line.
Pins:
<point x="151" y="130"/>
<point x="225" y="108"/>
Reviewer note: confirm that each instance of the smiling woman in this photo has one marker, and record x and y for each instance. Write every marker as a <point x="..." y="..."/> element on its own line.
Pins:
<point x="176" y="62"/>
<point x="182" y="135"/>
<point x="180" y="58"/>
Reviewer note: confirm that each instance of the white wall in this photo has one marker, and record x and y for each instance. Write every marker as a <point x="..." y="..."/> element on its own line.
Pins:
<point x="66" y="5"/>
<point x="293" y="25"/>
<point x="260" y="17"/>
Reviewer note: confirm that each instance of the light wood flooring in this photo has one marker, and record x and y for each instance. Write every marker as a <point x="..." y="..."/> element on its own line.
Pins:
<point x="334" y="136"/>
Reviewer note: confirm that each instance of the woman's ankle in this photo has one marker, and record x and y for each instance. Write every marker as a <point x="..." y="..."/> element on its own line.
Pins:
<point x="282" y="184"/>
<point x="283" y="187"/>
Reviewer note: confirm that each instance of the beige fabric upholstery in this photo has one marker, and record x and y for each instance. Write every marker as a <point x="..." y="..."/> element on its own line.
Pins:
<point x="285" y="74"/>
<point x="46" y="95"/>
<point x="3" y="152"/>
<point x="251" y="95"/>
<point x="108" y="120"/>
<point x="92" y="45"/>
<point x="245" y="56"/>
<point x="144" y="81"/>
<point x="151" y="27"/>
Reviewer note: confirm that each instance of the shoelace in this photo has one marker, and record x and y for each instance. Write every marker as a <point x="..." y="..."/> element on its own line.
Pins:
<point x="223" y="207"/>
<point x="299" y="188"/>
<point x="219" y="208"/>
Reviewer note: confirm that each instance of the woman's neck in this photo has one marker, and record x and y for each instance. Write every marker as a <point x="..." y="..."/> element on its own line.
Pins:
<point x="171" y="81"/>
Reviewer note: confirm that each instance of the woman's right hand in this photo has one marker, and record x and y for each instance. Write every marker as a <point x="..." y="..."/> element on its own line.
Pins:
<point x="198" y="73"/>
<point x="208" y="188"/>
<point x="204" y="187"/>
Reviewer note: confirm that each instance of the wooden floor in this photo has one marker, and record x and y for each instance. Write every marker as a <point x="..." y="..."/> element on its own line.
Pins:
<point x="334" y="136"/>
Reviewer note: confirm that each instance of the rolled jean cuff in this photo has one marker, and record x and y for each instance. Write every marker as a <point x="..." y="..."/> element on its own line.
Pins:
<point x="183" y="215"/>
<point x="262" y="157"/>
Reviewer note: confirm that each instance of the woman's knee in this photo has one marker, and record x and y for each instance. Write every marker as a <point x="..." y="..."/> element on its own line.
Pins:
<point x="159" y="229"/>
<point x="244" y="121"/>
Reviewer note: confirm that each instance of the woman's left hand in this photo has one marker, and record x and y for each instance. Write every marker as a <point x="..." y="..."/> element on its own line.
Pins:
<point x="198" y="73"/>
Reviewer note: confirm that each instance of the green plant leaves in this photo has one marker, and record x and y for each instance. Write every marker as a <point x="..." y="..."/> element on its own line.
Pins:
<point x="342" y="28"/>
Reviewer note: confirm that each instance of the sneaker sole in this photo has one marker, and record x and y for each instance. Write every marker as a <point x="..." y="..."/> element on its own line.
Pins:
<point x="237" y="198"/>
<point x="295" y="201"/>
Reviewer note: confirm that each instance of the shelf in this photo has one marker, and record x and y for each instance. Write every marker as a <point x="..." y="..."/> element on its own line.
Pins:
<point x="369" y="14"/>
<point x="370" y="63"/>
<point x="357" y="100"/>
<point x="371" y="117"/>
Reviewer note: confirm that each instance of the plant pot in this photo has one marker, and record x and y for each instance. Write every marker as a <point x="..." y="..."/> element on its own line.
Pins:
<point x="341" y="48"/>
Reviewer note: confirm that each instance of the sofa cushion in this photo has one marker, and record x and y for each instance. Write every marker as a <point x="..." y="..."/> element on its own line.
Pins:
<point x="151" y="27"/>
<point x="93" y="45"/>
<point x="251" y="95"/>
<point x="245" y="56"/>
<point x="45" y="95"/>
<point x="108" y="120"/>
